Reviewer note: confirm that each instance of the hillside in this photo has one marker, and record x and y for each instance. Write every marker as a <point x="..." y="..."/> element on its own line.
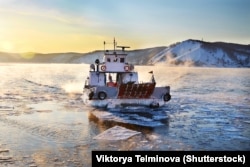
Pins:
<point x="186" y="53"/>
<point x="199" y="53"/>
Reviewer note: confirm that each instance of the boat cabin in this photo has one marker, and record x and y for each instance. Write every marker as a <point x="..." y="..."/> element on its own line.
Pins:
<point x="113" y="71"/>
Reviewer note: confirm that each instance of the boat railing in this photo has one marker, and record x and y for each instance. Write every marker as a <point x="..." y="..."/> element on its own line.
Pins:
<point x="144" y="90"/>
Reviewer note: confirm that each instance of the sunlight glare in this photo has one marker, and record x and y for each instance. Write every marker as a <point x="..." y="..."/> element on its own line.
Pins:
<point x="28" y="55"/>
<point x="6" y="46"/>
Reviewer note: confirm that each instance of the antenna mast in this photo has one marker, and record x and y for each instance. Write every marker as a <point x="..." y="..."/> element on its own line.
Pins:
<point x="114" y="44"/>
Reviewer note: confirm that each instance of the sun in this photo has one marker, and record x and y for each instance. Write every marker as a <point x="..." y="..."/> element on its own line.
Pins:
<point x="6" y="46"/>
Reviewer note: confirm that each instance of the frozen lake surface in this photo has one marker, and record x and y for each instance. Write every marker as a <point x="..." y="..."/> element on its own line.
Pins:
<point x="44" y="122"/>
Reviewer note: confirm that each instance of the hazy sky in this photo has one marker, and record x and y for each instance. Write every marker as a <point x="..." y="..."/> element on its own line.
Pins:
<point x="82" y="25"/>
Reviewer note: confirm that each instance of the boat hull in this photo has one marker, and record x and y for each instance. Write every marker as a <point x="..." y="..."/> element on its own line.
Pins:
<point x="112" y="103"/>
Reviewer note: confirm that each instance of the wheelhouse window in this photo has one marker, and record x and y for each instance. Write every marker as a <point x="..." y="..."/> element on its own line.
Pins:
<point x="122" y="60"/>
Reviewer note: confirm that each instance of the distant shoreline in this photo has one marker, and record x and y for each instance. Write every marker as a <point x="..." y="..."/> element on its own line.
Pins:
<point x="192" y="53"/>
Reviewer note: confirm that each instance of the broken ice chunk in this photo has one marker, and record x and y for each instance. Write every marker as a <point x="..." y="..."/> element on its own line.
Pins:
<point x="116" y="133"/>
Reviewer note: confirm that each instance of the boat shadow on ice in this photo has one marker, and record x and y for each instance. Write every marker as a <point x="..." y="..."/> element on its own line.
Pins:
<point x="131" y="117"/>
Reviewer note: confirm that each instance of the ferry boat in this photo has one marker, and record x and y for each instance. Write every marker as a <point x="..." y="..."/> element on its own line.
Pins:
<point x="114" y="83"/>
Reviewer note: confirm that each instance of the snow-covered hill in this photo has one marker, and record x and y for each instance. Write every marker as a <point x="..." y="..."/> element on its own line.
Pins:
<point x="186" y="53"/>
<point x="199" y="53"/>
